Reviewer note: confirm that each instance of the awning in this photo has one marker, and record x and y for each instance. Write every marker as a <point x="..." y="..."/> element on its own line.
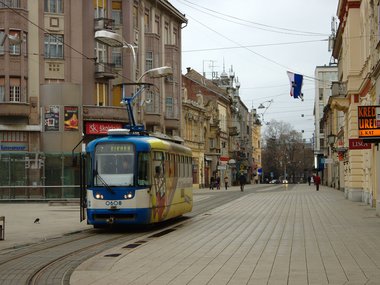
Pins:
<point x="208" y="158"/>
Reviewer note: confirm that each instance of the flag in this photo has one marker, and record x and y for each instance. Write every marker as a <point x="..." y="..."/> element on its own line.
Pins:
<point x="296" y="81"/>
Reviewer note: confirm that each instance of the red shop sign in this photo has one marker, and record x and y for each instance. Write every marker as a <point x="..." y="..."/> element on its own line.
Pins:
<point x="101" y="128"/>
<point x="358" y="144"/>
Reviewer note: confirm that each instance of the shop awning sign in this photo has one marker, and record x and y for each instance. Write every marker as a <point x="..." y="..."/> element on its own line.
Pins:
<point x="369" y="122"/>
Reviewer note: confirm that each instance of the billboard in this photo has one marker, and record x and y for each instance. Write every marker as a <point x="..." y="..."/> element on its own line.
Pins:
<point x="369" y="122"/>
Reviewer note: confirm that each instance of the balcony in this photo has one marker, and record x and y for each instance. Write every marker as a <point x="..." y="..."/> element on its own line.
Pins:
<point x="14" y="109"/>
<point x="104" y="24"/>
<point x="105" y="71"/>
<point x="233" y="131"/>
<point x="105" y="113"/>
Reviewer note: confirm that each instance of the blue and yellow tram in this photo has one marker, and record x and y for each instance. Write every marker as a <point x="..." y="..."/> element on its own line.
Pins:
<point x="132" y="178"/>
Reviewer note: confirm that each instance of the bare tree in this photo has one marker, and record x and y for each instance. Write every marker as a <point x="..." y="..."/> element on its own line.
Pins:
<point x="284" y="154"/>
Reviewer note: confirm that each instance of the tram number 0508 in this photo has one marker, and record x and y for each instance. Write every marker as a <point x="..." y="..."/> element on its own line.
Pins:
<point x="113" y="203"/>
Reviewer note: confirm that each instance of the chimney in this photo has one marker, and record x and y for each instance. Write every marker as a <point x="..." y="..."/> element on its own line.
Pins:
<point x="188" y="69"/>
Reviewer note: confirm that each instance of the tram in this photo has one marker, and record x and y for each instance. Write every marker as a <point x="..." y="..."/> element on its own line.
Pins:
<point x="134" y="178"/>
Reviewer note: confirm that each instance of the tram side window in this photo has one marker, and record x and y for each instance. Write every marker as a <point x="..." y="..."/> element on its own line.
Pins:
<point x="158" y="164"/>
<point x="177" y="173"/>
<point x="143" y="169"/>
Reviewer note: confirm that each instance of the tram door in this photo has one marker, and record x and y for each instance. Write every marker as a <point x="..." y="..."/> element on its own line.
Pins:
<point x="83" y="190"/>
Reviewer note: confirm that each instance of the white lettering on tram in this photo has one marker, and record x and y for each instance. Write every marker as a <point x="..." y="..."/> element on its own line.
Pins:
<point x="113" y="203"/>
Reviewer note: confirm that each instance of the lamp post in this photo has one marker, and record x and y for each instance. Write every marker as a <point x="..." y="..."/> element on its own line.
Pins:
<point x="115" y="40"/>
<point x="261" y="106"/>
<point x="331" y="140"/>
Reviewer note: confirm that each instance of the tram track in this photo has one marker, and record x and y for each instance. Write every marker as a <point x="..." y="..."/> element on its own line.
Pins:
<point x="52" y="262"/>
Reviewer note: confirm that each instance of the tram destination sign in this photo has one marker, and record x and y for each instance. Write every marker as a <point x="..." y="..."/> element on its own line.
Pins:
<point x="369" y="122"/>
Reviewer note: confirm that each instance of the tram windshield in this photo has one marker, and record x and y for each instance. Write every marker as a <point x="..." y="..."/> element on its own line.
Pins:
<point x="114" y="164"/>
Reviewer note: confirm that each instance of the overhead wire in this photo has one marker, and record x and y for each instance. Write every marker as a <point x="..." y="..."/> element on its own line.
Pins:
<point x="267" y="27"/>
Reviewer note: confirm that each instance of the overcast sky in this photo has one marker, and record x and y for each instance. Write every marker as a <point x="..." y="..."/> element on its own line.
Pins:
<point x="261" y="40"/>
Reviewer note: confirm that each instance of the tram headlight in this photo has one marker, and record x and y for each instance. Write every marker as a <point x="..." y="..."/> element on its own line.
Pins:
<point x="99" y="196"/>
<point x="128" y="196"/>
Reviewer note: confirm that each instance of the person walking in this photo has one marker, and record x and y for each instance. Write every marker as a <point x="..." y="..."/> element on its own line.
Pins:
<point x="226" y="182"/>
<point x="212" y="182"/>
<point x="317" y="181"/>
<point x="309" y="180"/>
<point x="242" y="181"/>
<point x="218" y="183"/>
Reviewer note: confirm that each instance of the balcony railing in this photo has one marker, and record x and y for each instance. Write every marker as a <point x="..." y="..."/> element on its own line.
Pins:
<point x="105" y="71"/>
<point x="14" y="109"/>
<point x="104" y="24"/>
<point x="105" y="113"/>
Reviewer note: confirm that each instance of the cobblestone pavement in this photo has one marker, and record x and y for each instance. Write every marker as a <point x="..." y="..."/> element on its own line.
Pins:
<point x="293" y="236"/>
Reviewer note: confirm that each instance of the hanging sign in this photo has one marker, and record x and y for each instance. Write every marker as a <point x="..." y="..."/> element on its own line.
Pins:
<point x="369" y="122"/>
<point x="358" y="144"/>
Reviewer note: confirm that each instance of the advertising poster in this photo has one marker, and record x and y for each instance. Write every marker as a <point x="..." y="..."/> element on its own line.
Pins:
<point x="52" y="118"/>
<point x="71" y="118"/>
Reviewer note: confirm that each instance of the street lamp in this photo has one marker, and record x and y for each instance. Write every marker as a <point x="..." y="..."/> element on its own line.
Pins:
<point x="115" y="40"/>
<point x="158" y="72"/>
<point x="331" y="140"/>
<point x="261" y="106"/>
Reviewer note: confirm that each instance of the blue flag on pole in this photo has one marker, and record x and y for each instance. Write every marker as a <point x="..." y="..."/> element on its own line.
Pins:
<point x="296" y="81"/>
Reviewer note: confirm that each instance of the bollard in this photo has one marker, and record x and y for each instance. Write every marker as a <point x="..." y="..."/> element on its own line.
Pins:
<point x="2" y="228"/>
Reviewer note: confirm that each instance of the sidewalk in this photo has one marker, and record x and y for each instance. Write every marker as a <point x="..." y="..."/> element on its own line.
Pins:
<point x="55" y="221"/>
<point x="295" y="236"/>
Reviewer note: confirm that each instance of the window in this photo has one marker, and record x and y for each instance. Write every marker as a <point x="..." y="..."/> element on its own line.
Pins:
<point x="116" y="57"/>
<point x="54" y="6"/>
<point x="14" y="90"/>
<point x="114" y="164"/>
<point x="53" y="46"/>
<point x="12" y="136"/>
<point x="116" y="13"/>
<point x="149" y="60"/>
<point x="157" y="25"/>
<point x="166" y="34"/>
<point x="14" y="39"/>
<point x="101" y="94"/>
<point x="135" y="16"/>
<point x="143" y="178"/>
<point x="100" y="8"/>
<point x="169" y="107"/>
<point x="10" y="4"/>
<point x="2" y="90"/>
<point x="100" y="53"/>
<point x="175" y="36"/>
<point x="212" y="143"/>
<point x="147" y="21"/>
<point x="2" y="35"/>
<point x="152" y="103"/>
<point x="25" y="43"/>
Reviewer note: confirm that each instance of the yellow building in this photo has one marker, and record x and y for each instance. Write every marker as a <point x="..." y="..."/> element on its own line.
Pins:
<point x="356" y="49"/>
<point x="256" y="146"/>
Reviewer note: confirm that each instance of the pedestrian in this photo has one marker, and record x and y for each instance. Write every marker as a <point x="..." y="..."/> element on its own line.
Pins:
<point x="226" y="181"/>
<point x="317" y="181"/>
<point x="218" y="183"/>
<point x="309" y="180"/>
<point x="242" y="181"/>
<point x="212" y="182"/>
